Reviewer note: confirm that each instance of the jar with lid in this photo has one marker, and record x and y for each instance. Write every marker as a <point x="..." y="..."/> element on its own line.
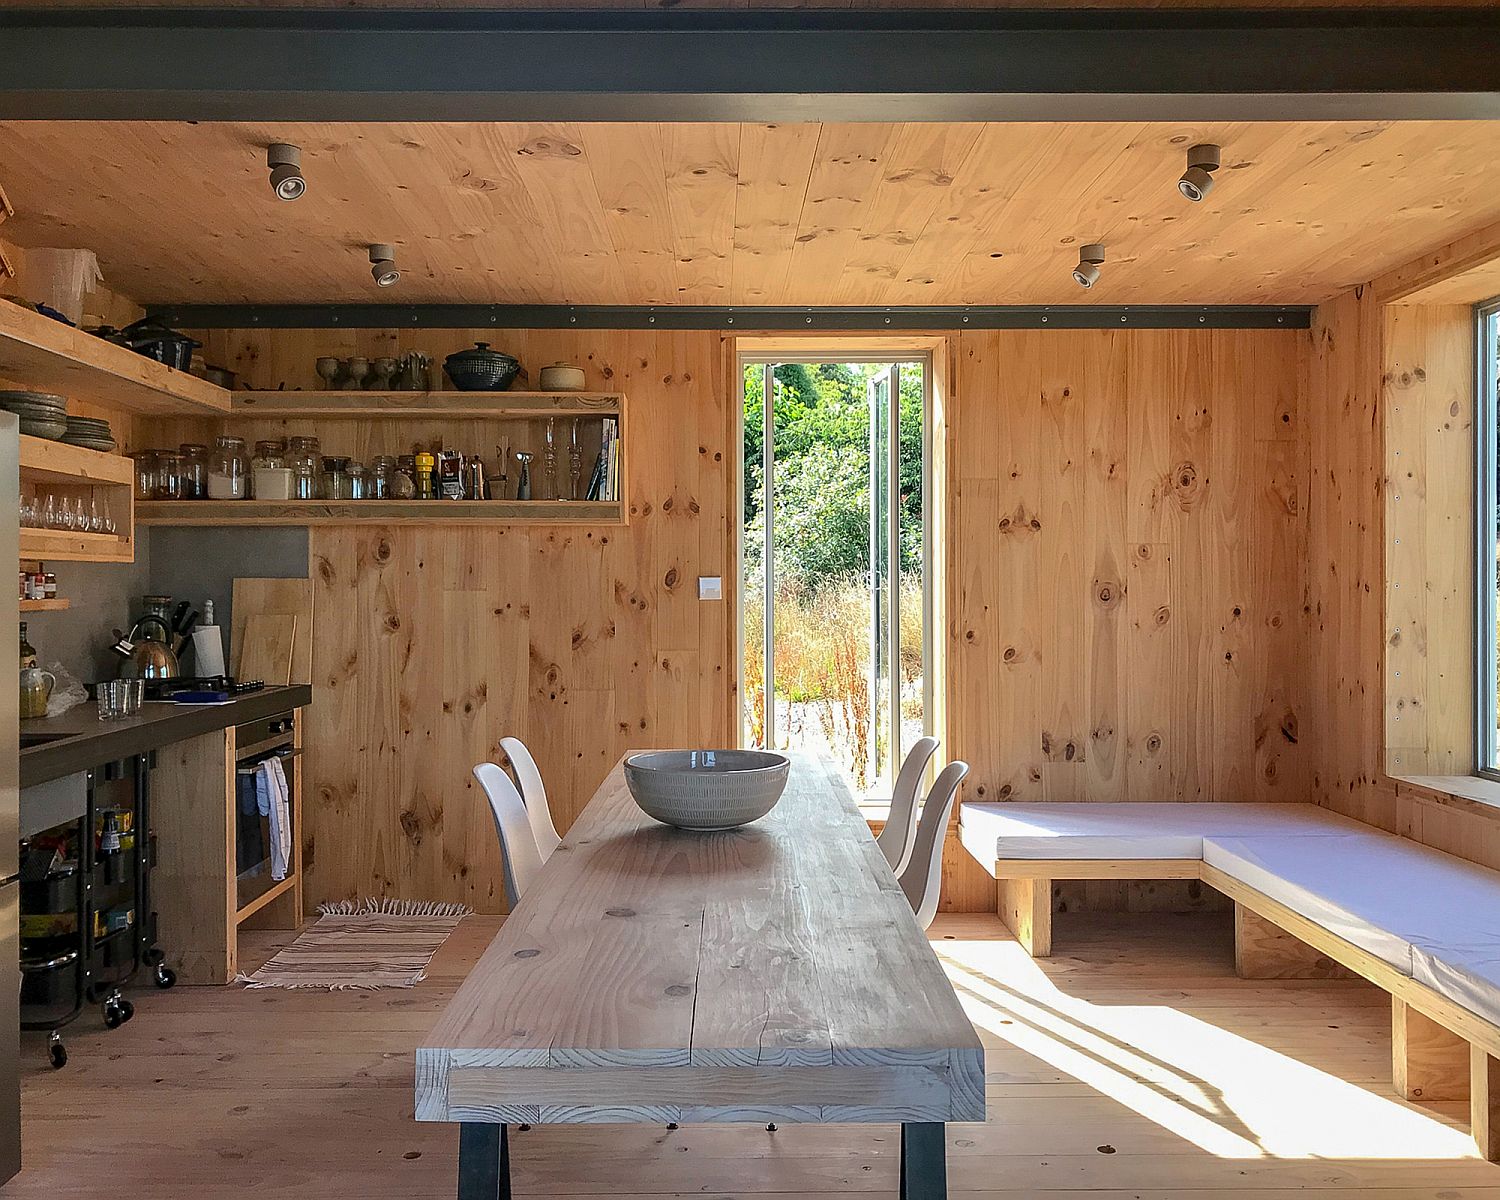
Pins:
<point x="168" y="475"/>
<point x="270" y="477"/>
<point x="405" y="482"/>
<point x="193" y="470"/>
<point x="229" y="470"/>
<point x="426" y="482"/>
<point x="359" y="481"/>
<point x="335" y="477"/>
<point x="145" y="473"/>
<point x="306" y="464"/>
<point x="383" y="478"/>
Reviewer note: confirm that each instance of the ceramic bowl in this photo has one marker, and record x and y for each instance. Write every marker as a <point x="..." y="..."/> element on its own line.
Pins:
<point x="562" y="377"/>
<point x="706" y="789"/>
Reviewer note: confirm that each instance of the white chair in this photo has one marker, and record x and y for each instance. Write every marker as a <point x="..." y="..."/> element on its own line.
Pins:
<point x="517" y="841"/>
<point x="899" y="834"/>
<point x="922" y="881"/>
<point x="534" y="793"/>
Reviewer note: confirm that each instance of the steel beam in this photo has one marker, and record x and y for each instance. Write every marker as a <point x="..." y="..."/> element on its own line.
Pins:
<point x="748" y="320"/>
<point x="348" y="65"/>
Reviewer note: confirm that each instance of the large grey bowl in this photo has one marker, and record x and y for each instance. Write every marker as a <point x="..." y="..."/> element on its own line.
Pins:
<point x="706" y="789"/>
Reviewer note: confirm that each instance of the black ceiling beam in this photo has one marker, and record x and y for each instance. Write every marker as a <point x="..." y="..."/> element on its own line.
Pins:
<point x="749" y="319"/>
<point x="348" y="64"/>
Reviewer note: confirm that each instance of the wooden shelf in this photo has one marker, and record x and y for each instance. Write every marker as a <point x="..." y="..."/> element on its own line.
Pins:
<point x="274" y="892"/>
<point x="376" y="512"/>
<point x="57" y="462"/>
<point x="57" y="605"/>
<point x="63" y="546"/>
<point x="38" y="352"/>
<point x="448" y="406"/>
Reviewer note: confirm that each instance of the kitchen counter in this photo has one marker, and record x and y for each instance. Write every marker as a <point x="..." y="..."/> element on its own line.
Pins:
<point x="78" y="740"/>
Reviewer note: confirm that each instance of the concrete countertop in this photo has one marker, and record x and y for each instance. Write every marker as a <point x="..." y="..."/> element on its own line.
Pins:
<point x="81" y="741"/>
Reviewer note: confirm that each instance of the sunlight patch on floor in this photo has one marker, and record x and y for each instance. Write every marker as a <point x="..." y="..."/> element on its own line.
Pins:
<point x="1221" y="1091"/>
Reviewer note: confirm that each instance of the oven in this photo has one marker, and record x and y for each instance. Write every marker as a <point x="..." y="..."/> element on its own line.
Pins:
<point x="264" y="804"/>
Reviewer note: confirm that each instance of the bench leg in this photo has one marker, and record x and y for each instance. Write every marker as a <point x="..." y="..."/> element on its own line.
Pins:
<point x="924" y="1161"/>
<point x="1025" y="906"/>
<point x="483" y="1162"/>
<point x="1484" y="1102"/>
<point x="1428" y="1062"/>
<point x="1266" y="951"/>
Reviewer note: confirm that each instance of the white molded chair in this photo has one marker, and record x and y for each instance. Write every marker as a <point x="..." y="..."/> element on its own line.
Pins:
<point x="534" y="793"/>
<point x="899" y="834"/>
<point x="922" y="881"/>
<point x="517" y="841"/>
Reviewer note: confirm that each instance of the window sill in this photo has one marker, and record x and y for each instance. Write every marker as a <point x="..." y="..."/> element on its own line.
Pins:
<point x="1474" y="788"/>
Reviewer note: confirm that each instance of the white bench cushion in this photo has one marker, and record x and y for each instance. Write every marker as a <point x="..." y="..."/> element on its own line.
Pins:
<point x="993" y="831"/>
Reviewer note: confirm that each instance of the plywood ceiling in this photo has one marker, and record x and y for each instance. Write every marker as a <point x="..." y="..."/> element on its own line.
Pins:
<point x="748" y="214"/>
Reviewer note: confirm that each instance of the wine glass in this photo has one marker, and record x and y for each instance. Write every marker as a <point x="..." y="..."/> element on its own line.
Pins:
<point x="96" y="515"/>
<point x="328" y="371"/>
<point x="50" y="518"/>
<point x="575" y="462"/>
<point x="549" y="462"/>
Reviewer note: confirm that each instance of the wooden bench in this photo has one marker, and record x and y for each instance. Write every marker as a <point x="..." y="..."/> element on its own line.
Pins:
<point x="1315" y="896"/>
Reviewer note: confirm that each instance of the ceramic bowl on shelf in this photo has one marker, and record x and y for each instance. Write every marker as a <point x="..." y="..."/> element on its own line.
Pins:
<point x="481" y="369"/>
<point x="562" y="377"/>
<point x="706" y="789"/>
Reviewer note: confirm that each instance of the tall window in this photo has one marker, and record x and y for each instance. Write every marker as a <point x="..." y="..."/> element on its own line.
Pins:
<point x="836" y="606"/>
<point x="1487" y="489"/>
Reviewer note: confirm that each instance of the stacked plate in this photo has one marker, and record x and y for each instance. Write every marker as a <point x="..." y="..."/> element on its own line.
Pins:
<point x="42" y="414"/>
<point x="90" y="433"/>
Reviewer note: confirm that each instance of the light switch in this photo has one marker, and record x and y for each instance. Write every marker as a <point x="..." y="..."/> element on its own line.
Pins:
<point x="710" y="587"/>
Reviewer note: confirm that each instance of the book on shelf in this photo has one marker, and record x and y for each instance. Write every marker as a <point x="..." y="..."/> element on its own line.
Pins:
<point x="604" y="483"/>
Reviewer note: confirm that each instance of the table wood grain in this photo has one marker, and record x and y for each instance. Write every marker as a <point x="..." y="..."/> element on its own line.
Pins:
<point x="769" y="973"/>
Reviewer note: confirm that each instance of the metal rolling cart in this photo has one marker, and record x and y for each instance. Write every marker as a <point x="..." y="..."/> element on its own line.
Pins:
<point x="61" y="977"/>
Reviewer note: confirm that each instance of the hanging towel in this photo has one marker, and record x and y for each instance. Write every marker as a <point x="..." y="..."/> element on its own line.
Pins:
<point x="281" y="829"/>
<point x="274" y="810"/>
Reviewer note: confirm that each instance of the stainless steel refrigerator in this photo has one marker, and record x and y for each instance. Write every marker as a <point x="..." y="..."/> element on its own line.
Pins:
<point x="10" y="820"/>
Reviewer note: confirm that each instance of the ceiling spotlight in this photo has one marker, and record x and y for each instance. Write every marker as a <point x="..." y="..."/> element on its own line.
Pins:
<point x="1196" y="181"/>
<point x="383" y="265"/>
<point x="1086" y="273"/>
<point x="285" y="162"/>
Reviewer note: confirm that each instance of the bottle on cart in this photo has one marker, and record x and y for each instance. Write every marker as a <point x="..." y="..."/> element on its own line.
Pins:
<point x="28" y="651"/>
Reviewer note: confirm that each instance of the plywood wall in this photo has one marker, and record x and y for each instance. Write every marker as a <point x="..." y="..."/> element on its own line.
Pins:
<point x="1129" y="531"/>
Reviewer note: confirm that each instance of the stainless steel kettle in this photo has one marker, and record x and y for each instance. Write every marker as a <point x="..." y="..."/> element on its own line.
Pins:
<point x="147" y="651"/>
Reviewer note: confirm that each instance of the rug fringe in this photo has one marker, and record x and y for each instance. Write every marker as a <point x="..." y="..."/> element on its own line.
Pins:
<point x="386" y="906"/>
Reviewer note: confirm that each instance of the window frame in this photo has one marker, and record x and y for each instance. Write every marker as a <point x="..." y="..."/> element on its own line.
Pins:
<point x="1486" y="538"/>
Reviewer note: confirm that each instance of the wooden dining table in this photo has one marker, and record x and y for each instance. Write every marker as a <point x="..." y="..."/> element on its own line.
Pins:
<point x="771" y="973"/>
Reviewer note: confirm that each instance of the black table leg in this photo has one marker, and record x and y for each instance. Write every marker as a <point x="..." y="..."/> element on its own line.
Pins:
<point x="483" y="1162"/>
<point x="924" y="1161"/>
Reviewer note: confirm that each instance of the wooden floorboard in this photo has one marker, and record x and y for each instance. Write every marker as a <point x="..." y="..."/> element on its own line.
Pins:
<point x="1132" y="1065"/>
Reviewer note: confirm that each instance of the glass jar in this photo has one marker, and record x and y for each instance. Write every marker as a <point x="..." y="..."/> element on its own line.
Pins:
<point x="193" y="470"/>
<point x="406" y="477"/>
<point x="229" y="470"/>
<point x="335" y="478"/>
<point x="145" y="474"/>
<point x="306" y="465"/>
<point x="383" y="478"/>
<point x="270" y="477"/>
<point x="168" y="475"/>
<point x="359" y="481"/>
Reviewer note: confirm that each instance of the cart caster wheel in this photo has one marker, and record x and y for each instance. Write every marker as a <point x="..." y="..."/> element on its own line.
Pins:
<point x="165" y="976"/>
<point x="57" y="1052"/>
<point x="126" y="1010"/>
<point x="112" y="1017"/>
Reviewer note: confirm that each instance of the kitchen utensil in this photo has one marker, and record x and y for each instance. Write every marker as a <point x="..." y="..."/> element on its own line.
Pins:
<point x="706" y="789"/>
<point x="481" y="369"/>
<point x="154" y="338"/>
<point x="523" y="484"/>
<point x="561" y="377"/>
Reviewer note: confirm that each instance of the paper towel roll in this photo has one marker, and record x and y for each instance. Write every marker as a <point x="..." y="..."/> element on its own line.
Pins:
<point x="208" y="650"/>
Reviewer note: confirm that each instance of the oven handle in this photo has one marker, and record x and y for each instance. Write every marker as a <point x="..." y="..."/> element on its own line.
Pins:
<point x="247" y="766"/>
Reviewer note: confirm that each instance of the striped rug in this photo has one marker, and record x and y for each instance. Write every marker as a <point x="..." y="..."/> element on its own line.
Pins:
<point x="376" y="944"/>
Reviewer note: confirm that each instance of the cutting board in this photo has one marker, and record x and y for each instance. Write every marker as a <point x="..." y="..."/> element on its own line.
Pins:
<point x="266" y="648"/>
<point x="275" y="597"/>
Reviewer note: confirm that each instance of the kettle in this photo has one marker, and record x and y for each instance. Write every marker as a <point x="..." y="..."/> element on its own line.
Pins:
<point x="36" y="690"/>
<point x="147" y="648"/>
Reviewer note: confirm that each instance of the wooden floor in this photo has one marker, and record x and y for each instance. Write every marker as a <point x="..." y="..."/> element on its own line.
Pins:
<point x="1131" y="1065"/>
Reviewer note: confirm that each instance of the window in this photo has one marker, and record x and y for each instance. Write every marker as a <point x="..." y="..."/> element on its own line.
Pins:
<point x="1487" y="526"/>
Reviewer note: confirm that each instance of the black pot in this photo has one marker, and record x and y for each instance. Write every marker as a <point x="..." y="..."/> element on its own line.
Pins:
<point x="153" y="338"/>
<point x="481" y="369"/>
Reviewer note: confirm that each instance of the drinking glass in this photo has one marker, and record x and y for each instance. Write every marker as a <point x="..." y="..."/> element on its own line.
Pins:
<point x="111" y="698"/>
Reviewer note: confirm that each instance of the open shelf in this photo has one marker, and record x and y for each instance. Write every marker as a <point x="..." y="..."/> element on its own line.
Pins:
<point x="70" y="471"/>
<point x="57" y="462"/>
<point x="62" y="545"/>
<point x="389" y="512"/>
<point x="38" y="352"/>
<point x="55" y="605"/>
<point x="448" y="406"/>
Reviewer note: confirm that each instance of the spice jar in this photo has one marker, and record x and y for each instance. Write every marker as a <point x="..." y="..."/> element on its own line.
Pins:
<point x="382" y="478"/>
<point x="359" y="481"/>
<point x="335" y="478"/>
<point x="270" y="477"/>
<point x="192" y="470"/>
<point x="426" y="487"/>
<point x="405" y="482"/>
<point x="305" y="464"/>
<point x="229" y="470"/>
<point x="168" y="475"/>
